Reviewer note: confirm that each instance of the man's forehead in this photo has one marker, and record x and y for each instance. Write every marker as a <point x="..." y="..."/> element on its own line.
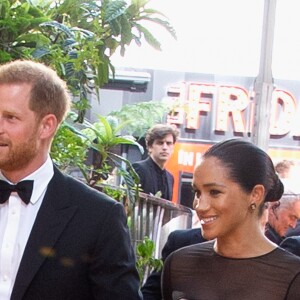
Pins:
<point x="168" y="137"/>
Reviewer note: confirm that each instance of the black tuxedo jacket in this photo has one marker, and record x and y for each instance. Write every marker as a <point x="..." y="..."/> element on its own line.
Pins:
<point x="79" y="248"/>
<point x="145" y="170"/>
<point x="177" y="239"/>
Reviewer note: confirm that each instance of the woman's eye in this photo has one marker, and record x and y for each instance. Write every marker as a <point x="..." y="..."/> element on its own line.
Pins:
<point x="214" y="192"/>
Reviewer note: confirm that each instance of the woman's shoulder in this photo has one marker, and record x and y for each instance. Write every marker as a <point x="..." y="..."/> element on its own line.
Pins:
<point x="202" y="248"/>
<point x="284" y="256"/>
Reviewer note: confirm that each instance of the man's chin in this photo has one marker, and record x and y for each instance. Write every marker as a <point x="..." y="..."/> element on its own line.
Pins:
<point x="7" y="167"/>
<point x="164" y="158"/>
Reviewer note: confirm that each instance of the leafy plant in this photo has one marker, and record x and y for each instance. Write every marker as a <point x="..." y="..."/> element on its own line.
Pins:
<point x="76" y="37"/>
<point x="145" y="260"/>
<point x="69" y="149"/>
<point x="141" y="116"/>
<point x="117" y="194"/>
<point x="18" y="35"/>
<point x="105" y="134"/>
<point x="72" y="145"/>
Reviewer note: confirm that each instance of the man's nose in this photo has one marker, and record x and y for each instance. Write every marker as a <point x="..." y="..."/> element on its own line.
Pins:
<point x="293" y="223"/>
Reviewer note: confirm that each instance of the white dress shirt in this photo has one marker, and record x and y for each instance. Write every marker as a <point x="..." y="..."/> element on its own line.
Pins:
<point x="16" y="222"/>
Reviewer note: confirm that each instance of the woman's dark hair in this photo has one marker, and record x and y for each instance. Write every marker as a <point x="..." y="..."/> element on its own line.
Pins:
<point x="248" y="166"/>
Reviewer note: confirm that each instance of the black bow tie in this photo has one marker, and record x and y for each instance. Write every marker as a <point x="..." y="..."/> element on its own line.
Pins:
<point x="23" y="188"/>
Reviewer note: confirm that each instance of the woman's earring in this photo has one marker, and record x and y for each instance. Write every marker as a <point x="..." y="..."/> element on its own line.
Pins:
<point x="253" y="206"/>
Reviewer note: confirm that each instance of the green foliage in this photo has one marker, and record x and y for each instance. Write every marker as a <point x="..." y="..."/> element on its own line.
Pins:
<point x="18" y="35"/>
<point x="139" y="117"/>
<point x="76" y="37"/>
<point x="68" y="149"/>
<point x="145" y="260"/>
<point x="117" y="194"/>
<point x="72" y="145"/>
<point x="103" y="136"/>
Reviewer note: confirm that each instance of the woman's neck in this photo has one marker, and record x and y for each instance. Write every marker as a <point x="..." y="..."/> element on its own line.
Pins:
<point x="253" y="245"/>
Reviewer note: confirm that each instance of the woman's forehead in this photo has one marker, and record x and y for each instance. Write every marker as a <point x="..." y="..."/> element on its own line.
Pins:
<point x="210" y="170"/>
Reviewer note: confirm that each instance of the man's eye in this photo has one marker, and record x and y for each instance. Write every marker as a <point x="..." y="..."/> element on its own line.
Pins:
<point x="10" y="117"/>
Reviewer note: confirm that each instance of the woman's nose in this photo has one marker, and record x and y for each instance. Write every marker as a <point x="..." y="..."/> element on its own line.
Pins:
<point x="201" y="203"/>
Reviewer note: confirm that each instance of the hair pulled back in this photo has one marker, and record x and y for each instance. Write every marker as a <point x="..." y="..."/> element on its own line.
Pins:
<point x="248" y="166"/>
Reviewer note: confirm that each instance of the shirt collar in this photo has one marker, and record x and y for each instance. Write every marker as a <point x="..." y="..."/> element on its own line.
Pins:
<point x="41" y="178"/>
<point x="157" y="167"/>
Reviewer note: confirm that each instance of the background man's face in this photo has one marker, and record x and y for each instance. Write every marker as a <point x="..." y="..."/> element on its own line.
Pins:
<point x="161" y="150"/>
<point x="287" y="217"/>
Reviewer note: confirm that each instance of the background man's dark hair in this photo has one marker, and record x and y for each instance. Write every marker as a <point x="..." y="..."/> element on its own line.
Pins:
<point x="159" y="131"/>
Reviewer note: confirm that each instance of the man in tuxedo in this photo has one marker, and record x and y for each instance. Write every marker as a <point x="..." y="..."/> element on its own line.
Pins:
<point x="59" y="239"/>
<point x="154" y="178"/>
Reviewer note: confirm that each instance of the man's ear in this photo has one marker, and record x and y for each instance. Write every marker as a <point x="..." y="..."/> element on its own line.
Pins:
<point x="48" y="126"/>
<point x="149" y="149"/>
<point x="257" y="194"/>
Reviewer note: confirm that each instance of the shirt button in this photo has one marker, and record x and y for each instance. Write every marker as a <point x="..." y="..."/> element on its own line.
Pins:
<point x="5" y="277"/>
<point x="13" y="212"/>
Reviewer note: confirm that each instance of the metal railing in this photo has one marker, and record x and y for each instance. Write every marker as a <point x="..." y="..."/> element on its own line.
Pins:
<point x="156" y="218"/>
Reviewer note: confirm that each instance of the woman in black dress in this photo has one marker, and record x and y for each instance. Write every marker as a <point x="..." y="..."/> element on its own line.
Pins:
<point x="232" y="184"/>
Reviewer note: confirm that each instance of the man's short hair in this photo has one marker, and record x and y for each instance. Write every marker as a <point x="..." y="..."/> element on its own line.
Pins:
<point x="160" y="131"/>
<point x="288" y="198"/>
<point x="49" y="93"/>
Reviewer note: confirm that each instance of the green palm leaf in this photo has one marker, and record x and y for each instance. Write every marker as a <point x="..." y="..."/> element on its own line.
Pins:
<point x="150" y="39"/>
<point x="114" y="9"/>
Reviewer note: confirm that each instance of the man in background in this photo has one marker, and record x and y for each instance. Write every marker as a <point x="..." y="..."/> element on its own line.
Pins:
<point x="154" y="178"/>
<point x="289" y="172"/>
<point x="283" y="214"/>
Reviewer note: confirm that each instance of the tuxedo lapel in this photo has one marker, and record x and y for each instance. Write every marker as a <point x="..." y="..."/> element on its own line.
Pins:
<point x="54" y="214"/>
